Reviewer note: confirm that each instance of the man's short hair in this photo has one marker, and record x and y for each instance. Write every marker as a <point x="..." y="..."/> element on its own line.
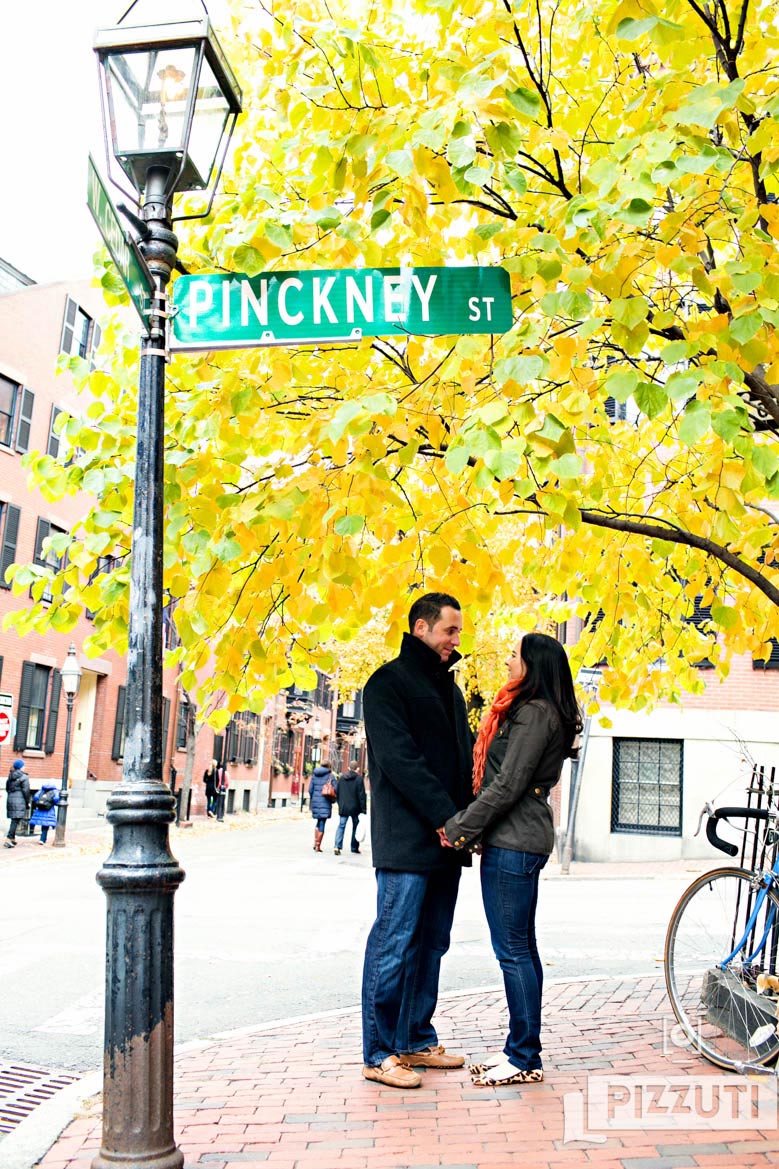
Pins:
<point x="429" y="608"/>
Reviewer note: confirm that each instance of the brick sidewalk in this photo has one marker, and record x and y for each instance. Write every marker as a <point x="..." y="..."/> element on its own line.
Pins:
<point x="292" y="1096"/>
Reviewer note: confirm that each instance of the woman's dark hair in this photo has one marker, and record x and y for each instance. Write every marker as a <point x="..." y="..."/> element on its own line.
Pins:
<point x="548" y="676"/>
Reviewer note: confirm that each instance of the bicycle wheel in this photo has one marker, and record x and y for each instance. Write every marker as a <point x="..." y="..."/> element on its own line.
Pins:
<point x="715" y="1001"/>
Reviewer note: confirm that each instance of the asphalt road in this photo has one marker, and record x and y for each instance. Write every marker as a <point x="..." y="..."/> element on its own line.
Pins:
<point x="267" y="929"/>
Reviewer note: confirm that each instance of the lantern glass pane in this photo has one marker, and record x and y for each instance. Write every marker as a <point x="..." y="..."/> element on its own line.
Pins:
<point x="211" y="112"/>
<point x="148" y="96"/>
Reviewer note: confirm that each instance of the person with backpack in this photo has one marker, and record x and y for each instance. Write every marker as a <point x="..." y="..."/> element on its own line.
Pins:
<point x="17" y="802"/>
<point x="44" y="808"/>
<point x="351" y="804"/>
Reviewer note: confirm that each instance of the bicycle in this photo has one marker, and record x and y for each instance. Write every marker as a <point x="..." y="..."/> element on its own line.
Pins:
<point x="721" y="948"/>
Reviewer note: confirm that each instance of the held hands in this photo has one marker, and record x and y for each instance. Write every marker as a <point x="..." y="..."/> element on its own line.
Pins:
<point x="442" y="837"/>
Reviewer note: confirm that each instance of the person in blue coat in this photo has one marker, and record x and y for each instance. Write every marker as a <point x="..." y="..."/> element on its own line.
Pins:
<point x="44" y="808"/>
<point x="321" y="805"/>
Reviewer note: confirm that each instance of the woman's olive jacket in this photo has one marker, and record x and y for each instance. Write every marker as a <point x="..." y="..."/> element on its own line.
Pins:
<point x="524" y="762"/>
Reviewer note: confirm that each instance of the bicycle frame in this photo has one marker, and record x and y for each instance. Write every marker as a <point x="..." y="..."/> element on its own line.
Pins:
<point x="766" y="881"/>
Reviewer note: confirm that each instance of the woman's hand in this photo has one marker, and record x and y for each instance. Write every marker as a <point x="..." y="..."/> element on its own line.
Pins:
<point x="442" y="837"/>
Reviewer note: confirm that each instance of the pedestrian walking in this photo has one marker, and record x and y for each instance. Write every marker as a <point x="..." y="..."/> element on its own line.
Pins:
<point x="322" y="792"/>
<point x="419" y="762"/>
<point x="221" y="786"/>
<point x="531" y="727"/>
<point x="351" y="805"/>
<point x="44" y="808"/>
<point x="17" y="799"/>
<point x="209" y="780"/>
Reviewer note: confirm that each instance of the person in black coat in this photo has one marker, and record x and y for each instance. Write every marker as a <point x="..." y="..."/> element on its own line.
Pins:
<point x="17" y="803"/>
<point x="419" y="763"/>
<point x="351" y="803"/>
<point x="321" y="805"/>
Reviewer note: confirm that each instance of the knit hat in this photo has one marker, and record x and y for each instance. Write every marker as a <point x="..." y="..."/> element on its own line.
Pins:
<point x="18" y="764"/>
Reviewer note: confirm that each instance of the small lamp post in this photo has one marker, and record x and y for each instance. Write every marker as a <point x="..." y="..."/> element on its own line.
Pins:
<point x="70" y="677"/>
<point x="170" y="102"/>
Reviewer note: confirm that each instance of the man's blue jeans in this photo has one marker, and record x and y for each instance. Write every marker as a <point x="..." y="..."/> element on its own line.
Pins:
<point x="341" y="829"/>
<point x="509" y="886"/>
<point x="403" y="959"/>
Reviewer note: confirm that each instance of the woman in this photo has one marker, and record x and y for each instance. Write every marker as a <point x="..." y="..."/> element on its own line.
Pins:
<point x="17" y="802"/>
<point x="209" y="779"/>
<point x="44" y="808"/>
<point x="524" y="738"/>
<point x="321" y="803"/>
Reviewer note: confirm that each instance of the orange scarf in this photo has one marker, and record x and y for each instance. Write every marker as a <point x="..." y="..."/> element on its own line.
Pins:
<point x="490" y="726"/>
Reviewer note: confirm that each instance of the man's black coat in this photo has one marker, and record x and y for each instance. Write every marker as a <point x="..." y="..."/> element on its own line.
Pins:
<point x="419" y="758"/>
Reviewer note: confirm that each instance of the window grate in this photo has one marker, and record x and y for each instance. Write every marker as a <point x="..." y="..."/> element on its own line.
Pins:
<point x="647" y="786"/>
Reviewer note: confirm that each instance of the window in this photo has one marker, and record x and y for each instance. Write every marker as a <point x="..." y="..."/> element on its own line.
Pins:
<point x="48" y="559"/>
<point x="647" y="786"/>
<point x="184" y="724"/>
<point x="170" y="638"/>
<point x="40" y="688"/>
<point x="701" y="619"/>
<point x="80" y="334"/>
<point x="9" y="533"/>
<point x="16" y="403"/>
<point x="771" y="662"/>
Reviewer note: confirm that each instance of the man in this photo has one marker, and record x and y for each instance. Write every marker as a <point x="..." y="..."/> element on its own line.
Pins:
<point x="419" y="761"/>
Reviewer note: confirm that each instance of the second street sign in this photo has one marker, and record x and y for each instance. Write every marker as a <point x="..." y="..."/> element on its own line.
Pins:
<point x="235" y="311"/>
<point x="124" y="251"/>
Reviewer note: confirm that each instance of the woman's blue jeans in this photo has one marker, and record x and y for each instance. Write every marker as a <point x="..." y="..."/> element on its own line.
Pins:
<point x="509" y="886"/>
<point x="403" y="959"/>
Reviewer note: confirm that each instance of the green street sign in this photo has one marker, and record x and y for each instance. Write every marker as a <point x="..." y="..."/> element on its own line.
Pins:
<point x="235" y="311"/>
<point x="123" y="248"/>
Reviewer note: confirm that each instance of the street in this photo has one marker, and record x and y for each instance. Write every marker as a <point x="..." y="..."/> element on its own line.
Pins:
<point x="267" y="929"/>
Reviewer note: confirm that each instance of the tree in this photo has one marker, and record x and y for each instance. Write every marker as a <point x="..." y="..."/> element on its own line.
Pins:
<point x="619" y="159"/>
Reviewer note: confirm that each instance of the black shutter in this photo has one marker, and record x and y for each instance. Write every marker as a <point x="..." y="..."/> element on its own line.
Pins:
<point x="232" y="741"/>
<point x="1" y="667"/>
<point x="23" y="716"/>
<point x="117" y="748"/>
<point x="68" y="326"/>
<point x="41" y="532"/>
<point x="94" y="342"/>
<point x="10" y="536"/>
<point x="53" y="448"/>
<point x="25" y="421"/>
<point x="54" y="707"/>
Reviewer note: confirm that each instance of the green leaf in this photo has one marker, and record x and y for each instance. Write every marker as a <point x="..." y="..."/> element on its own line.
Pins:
<point x="630" y="29"/>
<point x="630" y="311"/>
<point x="621" y="384"/>
<point x="456" y="459"/>
<point x="522" y="370"/>
<point x="349" y="525"/>
<point x="637" y="212"/>
<point x="401" y="161"/>
<point x="696" y="421"/>
<point x="503" y="464"/>
<point x="743" y="329"/>
<point x="247" y="259"/>
<point x="477" y="175"/>
<point x="729" y="424"/>
<point x="525" y="100"/>
<point x="725" y="616"/>
<point x="461" y="152"/>
<point x="651" y="399"/>
<point x="379" y="218"/>
<point x="345" y="414"/>
<point x="567" y="467"/>
<point x="515" y="178"/>
<point x="279" y="234"/>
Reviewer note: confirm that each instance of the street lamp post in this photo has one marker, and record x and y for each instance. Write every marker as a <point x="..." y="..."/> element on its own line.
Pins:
<point x="170" y="102"/>
<point x="70" y="677"/>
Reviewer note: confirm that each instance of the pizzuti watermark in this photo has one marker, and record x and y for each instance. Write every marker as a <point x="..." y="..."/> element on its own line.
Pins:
<point x="614" y="1103"/>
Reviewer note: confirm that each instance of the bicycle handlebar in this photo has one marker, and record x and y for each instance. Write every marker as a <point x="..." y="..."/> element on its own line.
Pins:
<point x="731" y="814"/>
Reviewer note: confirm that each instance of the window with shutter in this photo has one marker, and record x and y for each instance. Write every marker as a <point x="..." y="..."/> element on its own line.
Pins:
<point x="25" y="421"/>
<point x="49" y="558"/>
<point x="117" y="747"/>
<point x="68" y="326"/>
<point x="9" y="534"/>
<point x="32" y="707"/>
<point x="1" y="667"/>
<point x="165" y="725"/>
<point x="771" y="662"/>
<point x="54" y="706"/>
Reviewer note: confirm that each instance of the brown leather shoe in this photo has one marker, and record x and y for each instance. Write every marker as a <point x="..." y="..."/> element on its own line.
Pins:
<point x="432" y="1057"/>
<point x="392" y="1073"/>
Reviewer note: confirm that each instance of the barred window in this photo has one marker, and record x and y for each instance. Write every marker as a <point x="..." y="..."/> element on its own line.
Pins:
<point x="769" y="661"/>
<point x="647" y="786"/>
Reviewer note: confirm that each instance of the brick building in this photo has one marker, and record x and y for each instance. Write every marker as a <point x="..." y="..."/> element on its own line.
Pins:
<point x="37" y="324"/>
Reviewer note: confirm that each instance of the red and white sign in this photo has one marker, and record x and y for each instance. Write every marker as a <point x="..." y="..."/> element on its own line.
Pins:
<point x="5" y="727"/>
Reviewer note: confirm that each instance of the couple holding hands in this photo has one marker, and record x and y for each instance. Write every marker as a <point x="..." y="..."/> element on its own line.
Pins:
<point x="436" y="798"/>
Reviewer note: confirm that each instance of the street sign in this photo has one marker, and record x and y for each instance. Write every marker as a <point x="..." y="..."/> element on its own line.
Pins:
<point x="235" y="311"/>
<point x="123" y="248"/>
<point x="6" y="717"/>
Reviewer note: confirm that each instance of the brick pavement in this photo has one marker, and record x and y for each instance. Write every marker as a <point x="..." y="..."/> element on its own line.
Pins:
<point x="291" y="1096"/>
